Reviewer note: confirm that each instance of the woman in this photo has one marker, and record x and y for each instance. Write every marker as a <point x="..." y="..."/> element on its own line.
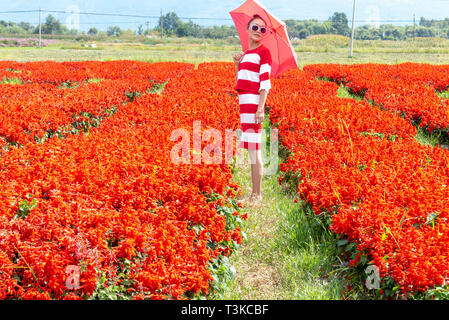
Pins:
<point x="253" y="68"/>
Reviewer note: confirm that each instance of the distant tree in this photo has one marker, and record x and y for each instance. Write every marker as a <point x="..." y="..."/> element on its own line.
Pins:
<point x="27" y="27"/>
<point x="128" y="33"/>
<point x="391" y="32"/>
<point x="328" y="26"/>
<point x="424" y="22"/>
<point x="102" y="34"/>
<point x="169" y="22"/>
<point x="215" y="32"/>
<point x="318" y="28"/>
<point x="291" y="27"/>
<point x="140" y="29"/>
<point x="340" y="23"/>
<point x="52" y="26"/>
<point x="303" y="33"/>
<point x="368" y="32"/>
<point x="398" y="33"/>
<point x="182" y="30"/>
<point x="336" y="24"/>
<point x="194" y="29"/>
<point x="425" y="32"/>
<point x="72" y="32"/>
<point x="92" y="31"/>
<point x="410" y="32"/>
<point x="6" y="24"/>
<point x="114" y="31"/>
<point x="15" y="29"/>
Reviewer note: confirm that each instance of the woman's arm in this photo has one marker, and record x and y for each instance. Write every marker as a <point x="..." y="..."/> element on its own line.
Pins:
<point x="236" y="71"/>
<point x="265" y="84"/>
<point x="263" y="99"/>
<point x="237" y="58"/>
<point x="260" y="108"/>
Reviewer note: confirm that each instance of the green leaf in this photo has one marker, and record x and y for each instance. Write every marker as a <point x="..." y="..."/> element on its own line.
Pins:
<point x="350" y="246"/>
<point x="431" y="218"/>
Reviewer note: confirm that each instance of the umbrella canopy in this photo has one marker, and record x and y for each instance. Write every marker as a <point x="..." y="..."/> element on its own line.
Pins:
<point x="276" y="39"/>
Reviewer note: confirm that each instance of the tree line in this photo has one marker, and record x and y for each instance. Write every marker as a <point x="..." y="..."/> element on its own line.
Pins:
<point x="171" y="25"/>
<point x="339" y="24"/>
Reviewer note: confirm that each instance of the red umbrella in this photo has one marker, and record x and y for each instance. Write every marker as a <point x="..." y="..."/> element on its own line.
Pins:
<point x="276" y="39"/>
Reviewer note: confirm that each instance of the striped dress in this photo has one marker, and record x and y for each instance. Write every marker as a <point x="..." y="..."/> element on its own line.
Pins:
<point x="252" y="77"/>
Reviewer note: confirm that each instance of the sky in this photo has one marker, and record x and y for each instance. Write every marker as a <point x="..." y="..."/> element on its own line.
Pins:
<point x="398" y="12"/>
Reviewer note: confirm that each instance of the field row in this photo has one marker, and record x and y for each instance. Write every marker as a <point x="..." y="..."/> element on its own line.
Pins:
<point x="108" y="213"/>
<point x="361" y="166"/>
<point x="46" y="102"/>
<point x="408" y="89"/>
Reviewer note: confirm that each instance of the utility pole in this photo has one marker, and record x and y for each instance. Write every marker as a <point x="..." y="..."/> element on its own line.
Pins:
<point x="352" y="32"/>
<point x="40" y="27"/>
<point x="162" y="25"/>
<point x="414" y="26"/>
<point x="148" y="27"/>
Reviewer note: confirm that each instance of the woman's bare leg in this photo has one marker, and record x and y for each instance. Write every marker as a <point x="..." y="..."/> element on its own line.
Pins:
<point x="256" y="171"/>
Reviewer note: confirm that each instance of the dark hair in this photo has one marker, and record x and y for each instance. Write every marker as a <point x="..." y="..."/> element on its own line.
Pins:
<point x="256" y="16"/>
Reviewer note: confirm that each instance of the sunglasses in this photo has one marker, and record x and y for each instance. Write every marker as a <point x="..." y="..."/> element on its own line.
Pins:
<point x="255" y="27"/>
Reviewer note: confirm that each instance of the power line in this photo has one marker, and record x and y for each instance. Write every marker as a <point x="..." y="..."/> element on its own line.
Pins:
<point x="184" y="18"/>
<point x="102" y="14"/>
<point x="112" y="14"/>
<point x="144" y="22"/>
<point x="111" y="22"/>
<point x="19" y="11"/>
<point x="148" y="17"/>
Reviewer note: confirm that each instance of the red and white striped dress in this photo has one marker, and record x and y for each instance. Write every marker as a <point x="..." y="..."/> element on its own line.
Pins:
<point x="252" y="77"/>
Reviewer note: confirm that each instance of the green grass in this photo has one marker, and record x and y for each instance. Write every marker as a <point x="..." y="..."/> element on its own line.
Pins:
<point x="426" y="138"/>
<point x="316" y="49"/>
<point x="289" y="253"/>
<point x="10" y="81"/>
<point x="343" y="92"/>
<point x="444" y="94"/>
<point x="309" y="257"/>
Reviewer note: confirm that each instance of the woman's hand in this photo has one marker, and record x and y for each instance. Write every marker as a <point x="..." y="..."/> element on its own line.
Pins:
<point x="237" y="58"/>
<point x="259" y="116"/>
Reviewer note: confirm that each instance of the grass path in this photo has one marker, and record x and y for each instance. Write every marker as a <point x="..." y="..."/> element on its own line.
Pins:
<point x="288" y="254"/>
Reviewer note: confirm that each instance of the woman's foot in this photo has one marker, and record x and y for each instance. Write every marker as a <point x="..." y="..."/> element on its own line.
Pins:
<point x="256" y="197"/>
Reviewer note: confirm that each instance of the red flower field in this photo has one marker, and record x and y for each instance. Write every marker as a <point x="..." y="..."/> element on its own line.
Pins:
<point x="361" y="164"/>
<point x="91" y="200"/>
<point x="110" y="201"/>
